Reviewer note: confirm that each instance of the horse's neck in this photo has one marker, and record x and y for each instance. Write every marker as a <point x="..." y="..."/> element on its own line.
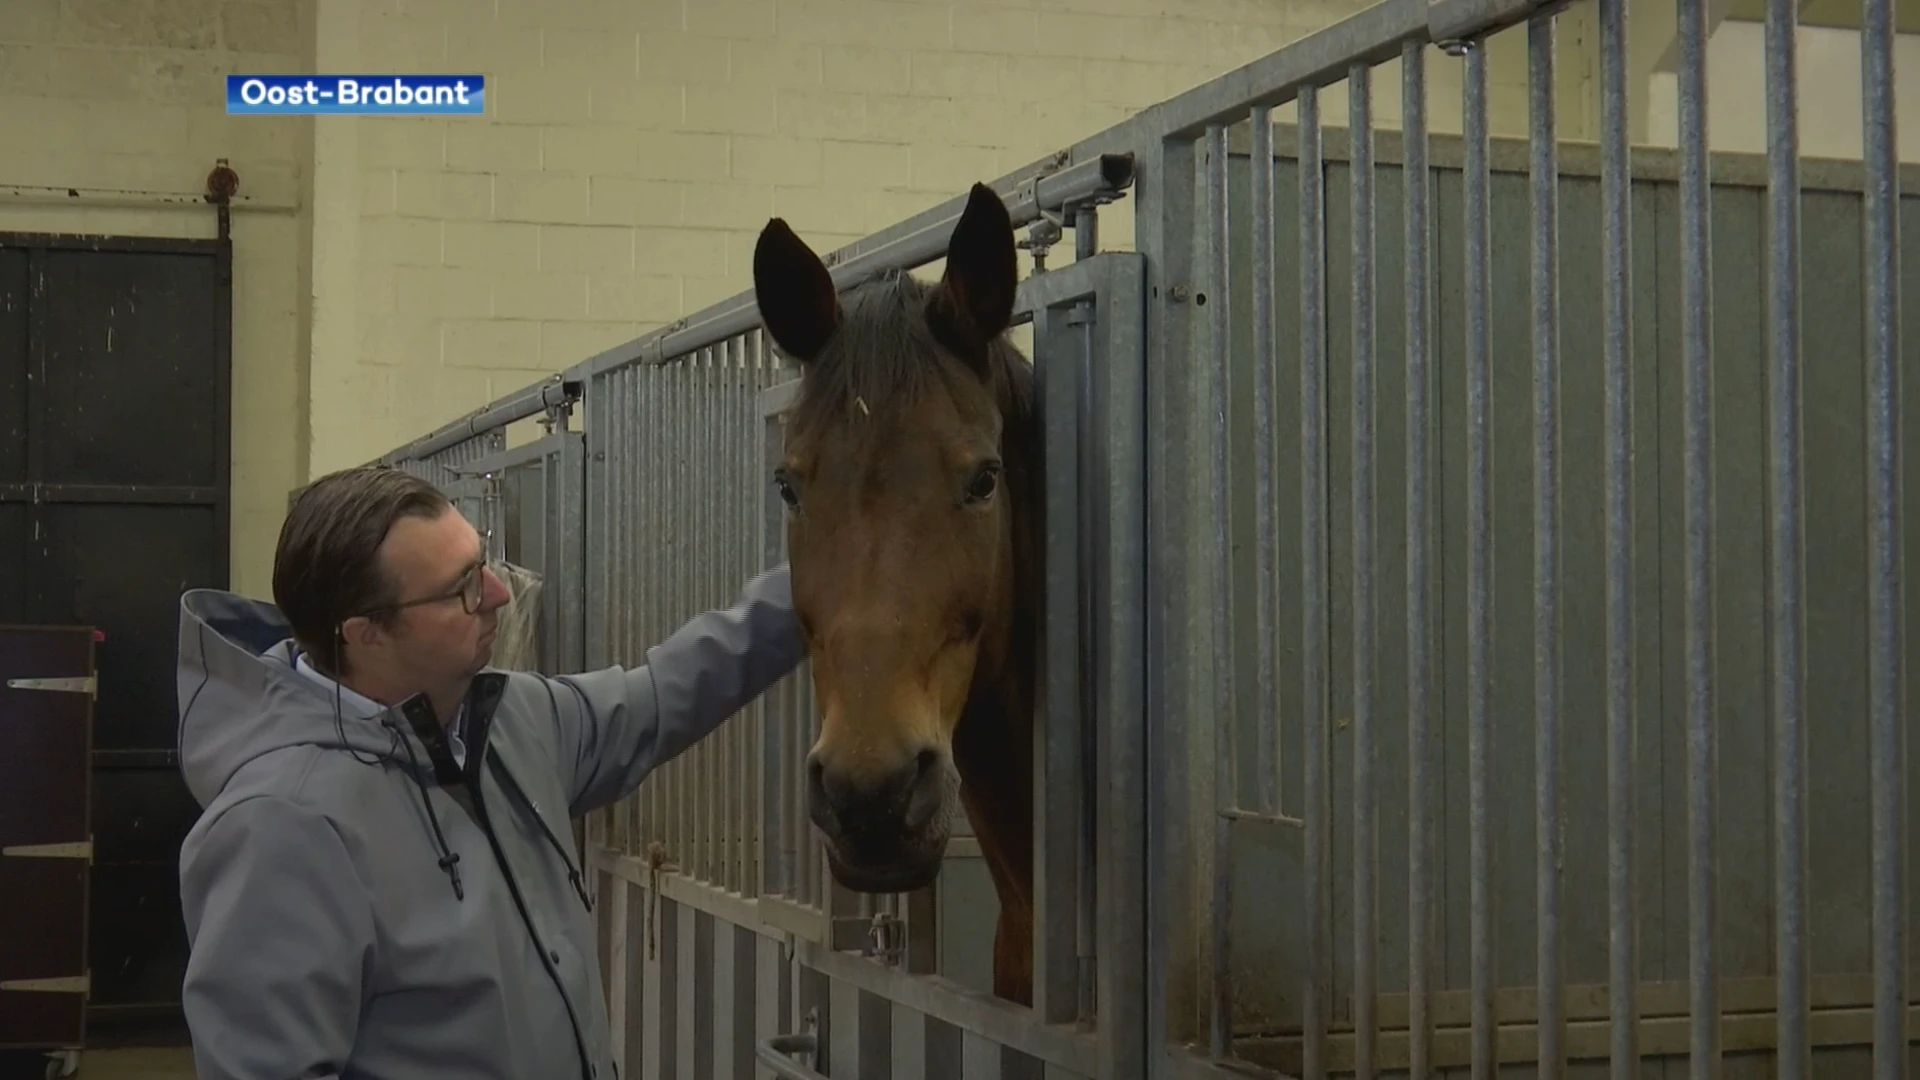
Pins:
<point x="993" y="748"/>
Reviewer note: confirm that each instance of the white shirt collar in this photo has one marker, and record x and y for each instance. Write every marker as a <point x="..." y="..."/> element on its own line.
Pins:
<point x="362" y="704"/>
<point x="369" y="708"/>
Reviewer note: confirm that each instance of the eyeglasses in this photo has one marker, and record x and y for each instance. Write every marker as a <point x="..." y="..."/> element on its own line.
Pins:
<point x="467" y="591"/>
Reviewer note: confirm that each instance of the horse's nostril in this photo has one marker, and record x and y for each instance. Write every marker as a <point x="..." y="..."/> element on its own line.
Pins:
<point x="819" y="808"/>
<point x="924" y="796"/>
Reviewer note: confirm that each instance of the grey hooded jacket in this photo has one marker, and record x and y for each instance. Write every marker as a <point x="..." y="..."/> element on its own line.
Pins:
<point x="358" y="905"/>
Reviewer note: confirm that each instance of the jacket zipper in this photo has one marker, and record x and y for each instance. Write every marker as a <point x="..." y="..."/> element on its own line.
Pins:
<point x="574" y="873"/>
<point x="513" y="886"/>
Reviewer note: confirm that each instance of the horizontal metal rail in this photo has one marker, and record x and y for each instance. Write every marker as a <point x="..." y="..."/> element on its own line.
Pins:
<point x="549" y="393"/>
<point x="539" y="449"/>
<point x="914" y="243"/>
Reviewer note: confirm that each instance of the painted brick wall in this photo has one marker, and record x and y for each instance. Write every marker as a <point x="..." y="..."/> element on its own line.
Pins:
<point x="633" y="148"/>
<point x="401" y="271"/>
<point x="127" y="95"/>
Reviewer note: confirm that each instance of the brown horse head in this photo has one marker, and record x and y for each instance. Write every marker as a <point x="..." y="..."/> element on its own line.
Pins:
<point x="907" y="454"/>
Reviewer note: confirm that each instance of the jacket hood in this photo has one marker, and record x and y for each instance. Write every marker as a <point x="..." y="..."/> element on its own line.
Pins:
<point x="240" y="697"/>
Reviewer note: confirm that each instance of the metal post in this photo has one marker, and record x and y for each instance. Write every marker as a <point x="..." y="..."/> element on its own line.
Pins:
<point x="1479" y="562"/>
<point x="1417" y="285"/>
<point x="1617" y="349"/>
<point x="1885" y="645"/>
<point x="1313" y="607"/>
<point x="1365" y="841"/>
<point x="1549" y="825"/>
<point x="1785" y="534"/>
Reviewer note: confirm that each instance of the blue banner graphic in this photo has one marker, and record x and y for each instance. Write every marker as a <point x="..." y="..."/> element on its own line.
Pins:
<point x="356" y="95"/>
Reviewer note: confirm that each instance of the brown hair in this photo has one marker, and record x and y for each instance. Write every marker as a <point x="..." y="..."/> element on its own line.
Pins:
<point x="326" y="568"/>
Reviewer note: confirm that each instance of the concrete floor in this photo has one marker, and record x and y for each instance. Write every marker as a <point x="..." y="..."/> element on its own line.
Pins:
<point x="141" y="1063"/>
<point x="137" y="1064"/>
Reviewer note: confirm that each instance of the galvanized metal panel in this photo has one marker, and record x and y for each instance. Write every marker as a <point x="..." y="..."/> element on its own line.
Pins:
<point x="1545" y="680"/>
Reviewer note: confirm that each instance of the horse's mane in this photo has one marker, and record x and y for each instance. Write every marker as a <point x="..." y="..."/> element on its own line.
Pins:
<point x="884" y="357"/>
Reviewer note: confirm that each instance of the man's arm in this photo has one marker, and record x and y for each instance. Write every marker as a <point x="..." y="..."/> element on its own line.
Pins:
<point x="279" y="927"/>
<point x="615" y="726"/>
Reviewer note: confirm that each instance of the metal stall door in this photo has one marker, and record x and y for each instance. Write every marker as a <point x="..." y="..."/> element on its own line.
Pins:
<point x="114" y="475"/>
<point x="854" y="1010"/>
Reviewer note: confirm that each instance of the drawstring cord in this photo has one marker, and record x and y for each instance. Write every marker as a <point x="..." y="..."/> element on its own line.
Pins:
<point x="450" y="859"/>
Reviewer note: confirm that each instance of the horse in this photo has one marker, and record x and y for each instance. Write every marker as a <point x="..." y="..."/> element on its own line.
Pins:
<point x="913" y="479"/>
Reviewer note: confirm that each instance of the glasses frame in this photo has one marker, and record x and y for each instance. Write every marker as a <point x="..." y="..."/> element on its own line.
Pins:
<point x="468" y="590"/>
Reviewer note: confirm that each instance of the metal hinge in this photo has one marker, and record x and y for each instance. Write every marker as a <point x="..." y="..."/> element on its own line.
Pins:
<point x="79" y="684"/>
<point x="63" y="984"/>
<point x="79" y="849"/>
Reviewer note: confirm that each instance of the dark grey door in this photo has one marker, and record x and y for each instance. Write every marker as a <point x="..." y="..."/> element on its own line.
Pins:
<point x="114" y="461"/>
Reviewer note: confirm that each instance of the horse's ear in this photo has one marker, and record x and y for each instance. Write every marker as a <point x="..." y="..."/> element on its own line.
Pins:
<point x="794" y="292"/>
<point x="974" y="303"/>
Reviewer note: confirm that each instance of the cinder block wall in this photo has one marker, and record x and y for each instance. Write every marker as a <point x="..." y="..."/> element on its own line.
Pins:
<point x="398" y="272"/>
<point x="633" y="149"/>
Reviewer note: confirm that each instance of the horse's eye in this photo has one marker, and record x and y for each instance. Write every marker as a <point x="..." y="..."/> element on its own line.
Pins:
<point x="986" y="480"/>
<point x="787" y="493"/>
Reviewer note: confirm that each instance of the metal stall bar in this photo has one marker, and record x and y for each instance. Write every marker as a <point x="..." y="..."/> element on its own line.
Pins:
<point x="1164" y="222"/>
<point x="1092" y="570"/>
<point x="1696" y="343"/>
<point x="1061" y="370"/>
<point x="1785" y="535"/>
<point x="1476" y="226"/>
<point x="1366" y="1023"/>
<point x="1548" y="823"/>
<point x="1417" y="284"/>
<point x="549" y="393"/>
<point x="1616" y="345"/>
<point x="1266" y="526"/>
<point x="1219" y="343"/>
<point x="1885" y="645"/>
<point x="1121" y="801"/>
<point x="1317" y="786"/>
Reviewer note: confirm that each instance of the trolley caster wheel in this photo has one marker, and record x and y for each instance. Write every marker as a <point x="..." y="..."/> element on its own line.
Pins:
<point x="63" y="1065"/>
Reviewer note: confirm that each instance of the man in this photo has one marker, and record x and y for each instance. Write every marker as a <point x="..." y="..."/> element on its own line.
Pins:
<point x="381" y="883"/>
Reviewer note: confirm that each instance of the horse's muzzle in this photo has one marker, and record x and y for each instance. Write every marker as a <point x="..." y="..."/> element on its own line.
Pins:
<point x="886" y="834"/>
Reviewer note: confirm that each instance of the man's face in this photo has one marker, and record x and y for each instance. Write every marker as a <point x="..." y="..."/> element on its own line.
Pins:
<point x="434" y="639"/>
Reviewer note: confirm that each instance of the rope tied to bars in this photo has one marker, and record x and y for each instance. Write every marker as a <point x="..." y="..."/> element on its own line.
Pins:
<point x="657" y="864"/>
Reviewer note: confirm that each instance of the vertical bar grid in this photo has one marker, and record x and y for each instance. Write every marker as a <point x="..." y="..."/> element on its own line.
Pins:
<point x="1417" y="287"/>
<point x="1885" y="646"/>
<point x="1220" y="343"/>
<point x="1479" y="562"/>
<point x="1365" y="923"/>
<point x="1616" y="346"/>
<point x="1784" y="509"/>
<point x="1549" y="844"/>
<point x="1314" y="617"/>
